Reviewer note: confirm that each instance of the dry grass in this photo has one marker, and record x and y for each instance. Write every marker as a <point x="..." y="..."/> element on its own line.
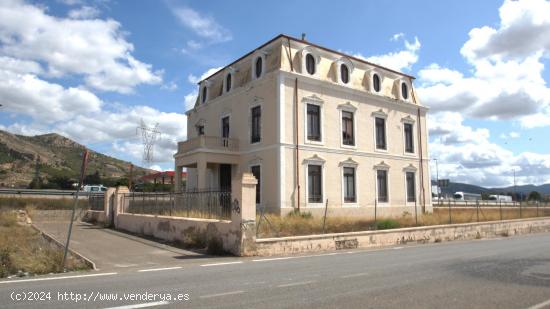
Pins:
<point x="7" y="203"/>
<point x="305" y="224"/>
<point x="24" y="250"/>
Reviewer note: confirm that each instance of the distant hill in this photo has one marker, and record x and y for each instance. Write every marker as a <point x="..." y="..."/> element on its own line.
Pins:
<point x="59" y="156"/>
<point x="525" y="189"/>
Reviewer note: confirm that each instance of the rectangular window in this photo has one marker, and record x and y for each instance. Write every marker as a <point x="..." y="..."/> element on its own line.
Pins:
<point x="200" y="130"/>
<point x="409" y="142"/>
<point x="382" y="182"/>
<point x="256" y="171"/>
<point x="313" y="122"/>
<point x="411" y="187"/>
<point x="255" y="131"/>
<point x="347" y="129"/>
<point x="315" y="188"/>
<point x="349" y="185"/>
<point x="225" y="131"/>
<point x="380" y="133"/>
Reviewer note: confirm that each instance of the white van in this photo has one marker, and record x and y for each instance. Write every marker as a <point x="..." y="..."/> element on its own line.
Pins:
<point x="94" y="188"/>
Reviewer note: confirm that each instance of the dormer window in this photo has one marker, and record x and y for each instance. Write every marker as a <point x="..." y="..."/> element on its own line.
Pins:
<point x="376" y="82"/>
<point x="404" y="91"/>
<point x="344" y="73"/>
<point x="228" y="82"/>
<point x="257" y="68"/>
<point x="204" y="94"/>
<point x="310" y="64"/>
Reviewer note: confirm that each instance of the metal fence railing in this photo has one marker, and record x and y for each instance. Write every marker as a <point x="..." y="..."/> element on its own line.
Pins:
<point x="96" y="201"/>
<point x="211" y="204"/>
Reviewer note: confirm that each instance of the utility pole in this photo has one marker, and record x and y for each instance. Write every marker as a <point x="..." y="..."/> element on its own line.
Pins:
<point x="81" y="181"/>
<point x="437" y="180"/>
<point x="130" y="177"/>
<point x="515" y="193"/>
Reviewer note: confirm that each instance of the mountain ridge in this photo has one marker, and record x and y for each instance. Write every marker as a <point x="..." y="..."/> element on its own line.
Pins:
<point x="58" y="155"/>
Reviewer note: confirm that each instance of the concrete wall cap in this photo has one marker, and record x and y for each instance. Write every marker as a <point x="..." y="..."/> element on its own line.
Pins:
<point x="249" y="179"/>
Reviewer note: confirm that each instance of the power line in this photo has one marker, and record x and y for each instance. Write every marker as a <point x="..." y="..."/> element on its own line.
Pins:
<point x="149" y="135"/>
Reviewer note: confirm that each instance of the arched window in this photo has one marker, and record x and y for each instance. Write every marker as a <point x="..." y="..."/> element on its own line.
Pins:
<point x="404" y="91"/>
<point x="228" y="82"/>
<point x="204" y="93"/>
<point x="310" y="64"/>
<point x="258" y="67"/>
<point x="344" y="73"/>
<point x="376" y="82"/>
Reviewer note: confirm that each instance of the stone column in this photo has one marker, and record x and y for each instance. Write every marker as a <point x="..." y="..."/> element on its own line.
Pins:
<point x="120" y="202"/>
<point x="177" y="172"/>
<point x="201" y="175"/>
<point x="108" y="207"/>
<point x="243" y="213"/>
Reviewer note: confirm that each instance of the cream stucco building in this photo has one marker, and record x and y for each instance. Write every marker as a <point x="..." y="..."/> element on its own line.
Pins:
<point x="314" y="126"/>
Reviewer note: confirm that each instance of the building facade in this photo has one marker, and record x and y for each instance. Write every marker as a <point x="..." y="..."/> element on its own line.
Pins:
<point x="316" y="127"/>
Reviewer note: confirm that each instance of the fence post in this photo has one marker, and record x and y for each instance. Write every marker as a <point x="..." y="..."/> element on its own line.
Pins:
<point x="450" y="218"/>
<point x="520" y="210"/>
<point x="375" y="207"/>
<point x="120" y="203"/>
<point x="243" y="214"/>
<point x="477" y="210"/>
<point x="325" y="217"/>
<point x="500" y="208"/>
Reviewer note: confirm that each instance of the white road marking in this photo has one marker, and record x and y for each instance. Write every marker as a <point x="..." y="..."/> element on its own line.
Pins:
<point x="59" y="278"/>
<point x="144" y="305"/>
<point x="218" y="264"/>
<point x="277" y="259"/>
<point x="221" y="294"/>
<point x="397" y="248"/>
<point x="295" y="284"/>
<point x="158" y="269"/>
<point x="354" y="275"/>
<point x="541" y="305"/>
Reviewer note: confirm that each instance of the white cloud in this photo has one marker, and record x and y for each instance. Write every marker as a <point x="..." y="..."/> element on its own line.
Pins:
<point x="206" y="27"/>
<point x="399" y="60"/>
<point x="49" y="102"/>
<point x="524" y="30"/>
<point x="92" y="48"/>
<point x="190" y="99"/>
<point x="194" y="79"/>
<point x="505" y="82"/>
<point x="171" y="86"/>
<point x="84" y="12"/>
<point x="509" y="135"/>
<point x="467" y="155"/>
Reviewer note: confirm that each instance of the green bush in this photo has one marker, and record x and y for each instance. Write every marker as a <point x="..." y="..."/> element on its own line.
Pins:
<point x="387" y="224"/>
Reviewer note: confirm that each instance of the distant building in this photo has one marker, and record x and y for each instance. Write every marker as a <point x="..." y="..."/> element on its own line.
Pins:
<point x="167" y="177"/>
<point x="314" y="126"/>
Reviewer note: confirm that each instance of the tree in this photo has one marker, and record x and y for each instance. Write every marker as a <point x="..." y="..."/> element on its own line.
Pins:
<point x="36" y="183"/>
<point x="93" y="179"/>
<point x="534" y="196"/>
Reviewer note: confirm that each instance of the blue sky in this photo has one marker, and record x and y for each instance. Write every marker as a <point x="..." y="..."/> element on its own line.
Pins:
<point x="92" y="69"/>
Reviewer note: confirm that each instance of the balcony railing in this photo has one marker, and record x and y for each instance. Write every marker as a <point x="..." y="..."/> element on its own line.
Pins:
<point x="209" y="142"/>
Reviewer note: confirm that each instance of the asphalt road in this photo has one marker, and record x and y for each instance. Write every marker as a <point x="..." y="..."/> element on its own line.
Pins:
<point x="501" y="273"/>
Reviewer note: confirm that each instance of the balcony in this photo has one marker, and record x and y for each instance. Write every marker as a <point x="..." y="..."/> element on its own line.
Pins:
<point x="209" y="143"/>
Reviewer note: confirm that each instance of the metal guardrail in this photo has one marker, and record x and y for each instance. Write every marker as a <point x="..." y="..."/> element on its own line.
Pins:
<point x="42" y="192"/>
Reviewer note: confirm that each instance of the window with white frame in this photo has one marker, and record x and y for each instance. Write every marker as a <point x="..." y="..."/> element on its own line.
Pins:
<point x="382" y="185"/>
<point x="409" y="137"/>
<point x="411" y="186"/>
<point x="313" y="122"/>
<point x="315" y="183"/>
<point x="380" y="133"/>
<point x="348" y="134"/>
<point x="256" y="124"/>
<point x="350" y="195"/>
